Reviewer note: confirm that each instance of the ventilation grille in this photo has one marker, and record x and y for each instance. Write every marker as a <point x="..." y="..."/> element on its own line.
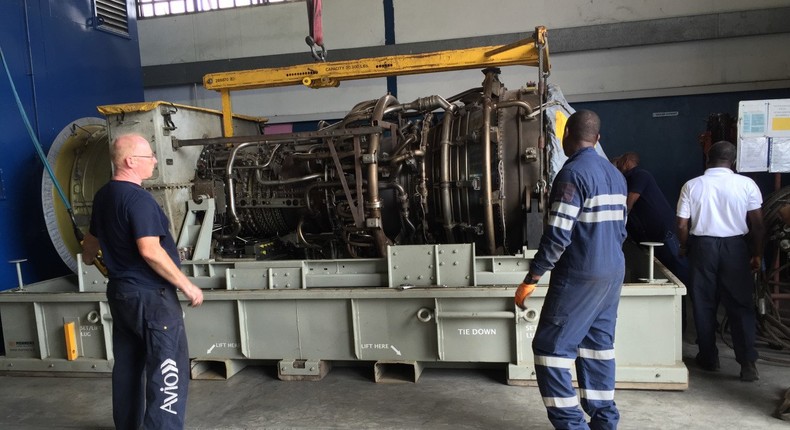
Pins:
<point x="111" y="15"/>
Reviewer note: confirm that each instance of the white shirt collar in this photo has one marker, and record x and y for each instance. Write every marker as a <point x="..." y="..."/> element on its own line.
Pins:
<point x="719" y="171"/>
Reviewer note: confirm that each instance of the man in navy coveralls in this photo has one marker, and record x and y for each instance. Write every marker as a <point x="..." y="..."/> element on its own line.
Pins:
<point x="151" y="371"/>
<point x="582" y="246"/>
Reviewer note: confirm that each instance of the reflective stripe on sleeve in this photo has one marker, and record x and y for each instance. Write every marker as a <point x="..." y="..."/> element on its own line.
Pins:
<point x="602" y="216"/>
<point x="605" y="199"/>
<point x="565" y="209"/>
<point x="560" y="222"/>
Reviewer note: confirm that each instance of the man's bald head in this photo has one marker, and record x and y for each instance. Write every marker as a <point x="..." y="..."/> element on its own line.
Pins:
<point x="584" y="125"/>
<point x="581" y="131"/>
<point x="125" y="146"/>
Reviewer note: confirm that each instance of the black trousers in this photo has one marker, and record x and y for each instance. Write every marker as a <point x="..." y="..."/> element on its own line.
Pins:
<point x="151" y="372"/>
<point x="720" y="272"/>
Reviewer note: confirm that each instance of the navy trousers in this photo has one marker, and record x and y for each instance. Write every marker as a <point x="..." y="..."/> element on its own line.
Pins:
<point x="720" y="271"/>
<point x="669" y="256"/>
<point x="150" y="376"/>
<point x="577" y="325"/>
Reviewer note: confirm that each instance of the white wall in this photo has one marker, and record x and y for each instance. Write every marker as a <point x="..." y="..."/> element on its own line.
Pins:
<point x="744" y="63"/>
<point x="417" y="20"/>
<point x="255" y="31"/>
<point x="758" y="62"/>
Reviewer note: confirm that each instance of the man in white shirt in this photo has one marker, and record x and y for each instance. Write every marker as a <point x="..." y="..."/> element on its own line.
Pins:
<point x="712" y="215"/>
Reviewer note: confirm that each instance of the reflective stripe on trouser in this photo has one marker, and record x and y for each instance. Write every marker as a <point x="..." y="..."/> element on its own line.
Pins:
<point x="149" y="345"/>
<point x="578" y="320"/>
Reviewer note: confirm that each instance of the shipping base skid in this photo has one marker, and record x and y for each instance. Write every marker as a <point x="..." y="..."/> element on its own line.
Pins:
<point x="422" y="306"/>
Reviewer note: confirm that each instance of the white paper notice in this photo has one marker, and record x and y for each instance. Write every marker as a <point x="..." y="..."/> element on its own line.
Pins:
<point x="752" y="154"/>
<point x="780" y="155"/>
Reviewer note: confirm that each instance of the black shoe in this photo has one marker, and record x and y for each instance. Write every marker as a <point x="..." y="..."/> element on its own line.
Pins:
<point x="710" y="366"/>
<point x="749" y="372"/>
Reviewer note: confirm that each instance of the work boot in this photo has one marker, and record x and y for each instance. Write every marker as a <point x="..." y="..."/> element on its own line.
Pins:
<point x="749" y="372"/>
<point x="709" y="365"/>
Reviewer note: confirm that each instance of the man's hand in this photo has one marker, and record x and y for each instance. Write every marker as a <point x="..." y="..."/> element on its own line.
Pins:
<point x="523" y="292"/>
<point x="756" y="263"/>
<point x="194" y="294"/>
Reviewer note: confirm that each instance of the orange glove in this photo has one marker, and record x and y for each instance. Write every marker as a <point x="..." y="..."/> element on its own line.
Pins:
<point x="523" y="292"/>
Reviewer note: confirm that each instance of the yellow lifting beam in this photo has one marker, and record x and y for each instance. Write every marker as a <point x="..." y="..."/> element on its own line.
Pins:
<point x="532" y="51"/>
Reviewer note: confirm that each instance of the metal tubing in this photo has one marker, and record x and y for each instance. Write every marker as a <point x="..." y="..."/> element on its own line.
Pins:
<point x="488" y="208"/>
<point x="429" y="103"/>
<point x="373" y="202"/>
<point x="234" y="218"/>
<point x="406" y="142"/>
<point x="270" y="139"/>
<point x="416" y="153"/>
<point x="290" y="180"/>
<point x="514" y="103"/>
<point x="311" y="187"/>
<point x="444" y="177"/>
<point x="404" y="200"/>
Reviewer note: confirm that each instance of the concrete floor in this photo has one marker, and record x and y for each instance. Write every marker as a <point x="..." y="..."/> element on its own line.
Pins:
<point x="347" y="398"/>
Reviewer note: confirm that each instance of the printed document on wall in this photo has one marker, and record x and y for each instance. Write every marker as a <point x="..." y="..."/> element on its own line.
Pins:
<point x="752" y="154"/>
<point x="764" y="136"/>
<point x="780" y="155"/>
<point x="778" y="118"/>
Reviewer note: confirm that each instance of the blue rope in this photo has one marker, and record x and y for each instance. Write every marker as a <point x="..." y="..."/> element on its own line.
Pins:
<point x="33" y="135"/>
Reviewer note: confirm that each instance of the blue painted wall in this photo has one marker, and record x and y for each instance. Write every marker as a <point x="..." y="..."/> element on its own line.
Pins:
<point x="669" y="146"/>
<point x="62" y="69"/>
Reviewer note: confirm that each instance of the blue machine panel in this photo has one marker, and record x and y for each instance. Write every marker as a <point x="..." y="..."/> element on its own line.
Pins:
<point x="62" y="69"/>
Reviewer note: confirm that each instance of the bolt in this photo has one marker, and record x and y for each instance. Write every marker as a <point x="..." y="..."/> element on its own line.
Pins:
<point x="658" y="375"/>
